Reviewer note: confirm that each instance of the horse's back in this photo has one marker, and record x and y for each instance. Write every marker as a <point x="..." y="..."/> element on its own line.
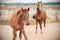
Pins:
<point x="13" y="20"/>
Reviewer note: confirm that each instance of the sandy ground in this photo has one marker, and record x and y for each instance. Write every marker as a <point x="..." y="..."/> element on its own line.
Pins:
<point x="51" y="32"/>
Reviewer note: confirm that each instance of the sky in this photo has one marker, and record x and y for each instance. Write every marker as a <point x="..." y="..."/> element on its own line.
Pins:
<point x="27" y="1"/>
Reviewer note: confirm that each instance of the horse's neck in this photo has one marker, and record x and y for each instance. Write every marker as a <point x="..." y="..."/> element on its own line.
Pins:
<point x="39" y="9"/>
<point x="39" y="12"/>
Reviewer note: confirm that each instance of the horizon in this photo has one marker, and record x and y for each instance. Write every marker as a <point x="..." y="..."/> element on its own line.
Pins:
<point x="31" y="3"/>
<point x="28" y="1"/>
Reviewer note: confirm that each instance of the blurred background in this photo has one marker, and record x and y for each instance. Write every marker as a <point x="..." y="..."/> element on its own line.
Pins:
<point x="52" y="8"/>
<point x="8" y="7"/>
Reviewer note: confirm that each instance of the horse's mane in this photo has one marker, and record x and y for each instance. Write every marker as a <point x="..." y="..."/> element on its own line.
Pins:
<point x="38" y="9"/>
<point x="18" y="11"/>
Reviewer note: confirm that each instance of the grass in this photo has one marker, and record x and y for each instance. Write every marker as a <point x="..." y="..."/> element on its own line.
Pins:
<point x="5" y="22"/>
<point x="32" y="22"/>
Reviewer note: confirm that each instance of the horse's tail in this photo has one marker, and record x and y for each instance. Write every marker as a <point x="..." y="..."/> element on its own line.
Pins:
<point x="33" y="16"/>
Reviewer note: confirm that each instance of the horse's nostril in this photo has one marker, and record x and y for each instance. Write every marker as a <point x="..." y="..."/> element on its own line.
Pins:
<point x="33" y="17"/>
<point x="28" y="24"/>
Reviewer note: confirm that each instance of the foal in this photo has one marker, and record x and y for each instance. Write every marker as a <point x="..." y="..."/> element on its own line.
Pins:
<point x="17" y="22"/>
<point x="40" y="17"/>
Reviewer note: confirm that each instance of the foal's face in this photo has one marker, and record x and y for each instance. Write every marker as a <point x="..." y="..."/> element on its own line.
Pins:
<point x="26" y="15"/>
<point x="39" y="5"/>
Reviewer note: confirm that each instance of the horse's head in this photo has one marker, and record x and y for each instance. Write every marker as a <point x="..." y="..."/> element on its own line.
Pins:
<point x="40" y="5"/>
<point x="26" y="15"/>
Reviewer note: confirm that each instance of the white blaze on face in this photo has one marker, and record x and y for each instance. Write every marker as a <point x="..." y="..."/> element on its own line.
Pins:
<point x="40" y="4"/>
<point x="40" y="7"/>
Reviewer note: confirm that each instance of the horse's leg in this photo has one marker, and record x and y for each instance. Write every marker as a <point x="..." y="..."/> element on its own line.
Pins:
<point x="20" y="34"/>
<point x="36" y="26"/>
<point x="40" y="23"/>
<point x="44" y="23"/>
<point x="14" y="35"/>
<point x="23" y="31"/>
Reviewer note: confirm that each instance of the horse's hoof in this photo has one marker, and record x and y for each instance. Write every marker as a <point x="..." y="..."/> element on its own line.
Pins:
<point x="41" y="32"/>
<point x="25" y="38"/>
<point x="36" y="32"/>
<point x="13" y="39"/>
<point x="44" y="27"/>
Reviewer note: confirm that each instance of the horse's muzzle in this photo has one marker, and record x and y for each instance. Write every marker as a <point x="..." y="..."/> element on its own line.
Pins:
<point x="33" y="16"/>
<point x="27" y="24"/>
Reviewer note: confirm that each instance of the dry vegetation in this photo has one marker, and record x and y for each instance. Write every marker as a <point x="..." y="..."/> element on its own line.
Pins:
<point x="31" y="6"/>
<point x="14" y="7"/>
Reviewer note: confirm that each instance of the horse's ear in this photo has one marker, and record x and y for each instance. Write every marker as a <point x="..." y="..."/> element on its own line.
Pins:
<point x="18" y="11"/>
<point x="22" y="9"/>
<point x="28" y="9"/>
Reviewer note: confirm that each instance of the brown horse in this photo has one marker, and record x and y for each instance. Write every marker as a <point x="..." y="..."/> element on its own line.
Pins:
<point x="17" y="22"/>
<point x="40" y="17"/>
